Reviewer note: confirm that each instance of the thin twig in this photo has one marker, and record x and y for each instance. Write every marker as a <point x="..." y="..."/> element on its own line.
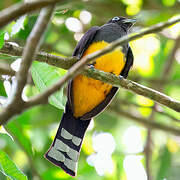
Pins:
<point x="148" y="147"/>
<point x="165" y="74"/>
<point x="52" y="60"/>
<point x="9" y="14"/>
<point x="125" y="102"/>
<point x="32" y="46"/>
<point x="170" y="60"/>
<point x="145" y="122"/>
<point x="105" y="77"/>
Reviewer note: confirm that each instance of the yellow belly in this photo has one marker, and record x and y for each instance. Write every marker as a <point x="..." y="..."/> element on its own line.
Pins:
<point x="88" y="92"/>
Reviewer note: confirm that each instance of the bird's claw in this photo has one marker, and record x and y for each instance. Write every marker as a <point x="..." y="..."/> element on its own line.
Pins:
<point x="91" y="66"/>
<point x="121" y="77"/>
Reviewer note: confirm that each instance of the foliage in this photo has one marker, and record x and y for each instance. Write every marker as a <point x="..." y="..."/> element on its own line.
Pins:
<point x="8" y="168"/>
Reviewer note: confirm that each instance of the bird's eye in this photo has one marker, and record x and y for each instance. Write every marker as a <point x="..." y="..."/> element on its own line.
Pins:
<point x="115" y="18"/>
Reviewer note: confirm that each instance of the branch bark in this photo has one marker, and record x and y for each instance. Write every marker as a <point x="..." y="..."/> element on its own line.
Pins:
<point x="127" y="103"/>
<point x="32" y="46"/>
<point x="55" y="60"/>
<point x="145" y="122"/>
<point x="16" y="104"/>
<point x="58" y="61"/>
<point x="9" y="14"/>
<point x="105" y="77"/>
<point x="118" y="81"/>
<point x="170" y="60"/>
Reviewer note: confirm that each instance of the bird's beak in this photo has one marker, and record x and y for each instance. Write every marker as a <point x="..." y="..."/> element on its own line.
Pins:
<point x="129" y="22"/>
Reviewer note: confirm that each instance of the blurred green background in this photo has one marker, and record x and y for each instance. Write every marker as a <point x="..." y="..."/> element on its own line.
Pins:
<point x="115" y="147"/>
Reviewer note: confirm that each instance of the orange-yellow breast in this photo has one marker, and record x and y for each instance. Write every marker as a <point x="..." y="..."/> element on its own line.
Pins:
<point x="87" y="92"/>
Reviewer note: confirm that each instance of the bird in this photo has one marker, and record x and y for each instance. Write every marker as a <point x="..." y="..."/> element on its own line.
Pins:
<point x="87" y="97"/>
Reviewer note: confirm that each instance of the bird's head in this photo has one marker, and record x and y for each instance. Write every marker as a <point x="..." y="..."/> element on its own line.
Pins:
<point x="123" y="22"/>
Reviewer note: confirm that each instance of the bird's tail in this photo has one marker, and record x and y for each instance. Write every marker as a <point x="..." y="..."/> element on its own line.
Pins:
<point x="65" y="149"/>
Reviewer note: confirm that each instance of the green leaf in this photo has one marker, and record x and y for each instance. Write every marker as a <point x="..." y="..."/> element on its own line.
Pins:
<point x="53" y="173"/>
<point x="9" y="169"/>
<point x="106" y="121"/>
<point x="165" y="164"/>
<point x="3" y="131"/>
<point x="45" y="75"/>
<point x="14" y="127"/>
<point x="2" y="33"/>
<point x="9" y="57"/>
<point x="2" y="89"/>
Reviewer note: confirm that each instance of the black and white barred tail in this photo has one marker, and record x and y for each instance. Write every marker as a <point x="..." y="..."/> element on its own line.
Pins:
<point x="65" y="149"/>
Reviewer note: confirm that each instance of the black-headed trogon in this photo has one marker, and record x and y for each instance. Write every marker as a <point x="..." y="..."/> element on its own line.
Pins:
<point x="88" y="97"/>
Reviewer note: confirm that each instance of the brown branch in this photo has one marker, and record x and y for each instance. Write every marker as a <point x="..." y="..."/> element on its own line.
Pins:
<point x="148" y="147"/>
<point x="145" y="122"/>
<point x="125" y="102"/>
<point x="165" y="74"/>
<point x="58" y="61"/>
<point x="134" y="87"/>
<point x="53" y="60"/>
<point x="74" y="70"/>
<point x="9" y="14"/>
<point x="106" y="77"/>
<point x="156" y="81"/>
<point x="16" y="103"/>
<point x="32" y="46"/>
<point x="170" y="60"/>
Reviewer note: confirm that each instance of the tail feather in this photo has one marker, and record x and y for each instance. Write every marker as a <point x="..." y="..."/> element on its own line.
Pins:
<point x="65" y="149"/>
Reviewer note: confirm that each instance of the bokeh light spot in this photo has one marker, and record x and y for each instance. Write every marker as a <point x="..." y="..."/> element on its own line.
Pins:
<point x="132" y="10"/>
<point x="104" y="145"/>
<point x="168" y="2"/>
<point x="85" y="17"/>
<point x="134" y="168"/>
<point x="73" y="24"/>
<point x="132" y="140"/>
<point x="172" y="146"/>
<point x="143" y="58"/>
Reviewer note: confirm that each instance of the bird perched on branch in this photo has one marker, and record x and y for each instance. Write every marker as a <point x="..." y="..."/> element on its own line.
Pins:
<point x="87" y="97"/>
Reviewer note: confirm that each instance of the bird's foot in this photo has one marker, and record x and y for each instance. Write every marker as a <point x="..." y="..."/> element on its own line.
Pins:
<point x="121" y="77"/>
<point x="91" y="66"/>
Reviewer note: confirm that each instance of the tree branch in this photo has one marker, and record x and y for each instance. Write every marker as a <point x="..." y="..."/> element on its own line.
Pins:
<point x="32" y="46"/>
<point x="16" y="104"/>
<point x="170" y="60"/>
<point x="146" y="123"/>
<point x="58" y="61"/>
<point x="165" y="74"/>
<point x="127" y="103"/>
<point x="55" y="60"/>
<point x="119" y="81"/>
<point x="148" y="147"/>
<point x="9" y="14"/>
<point x="105" y="77"/>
